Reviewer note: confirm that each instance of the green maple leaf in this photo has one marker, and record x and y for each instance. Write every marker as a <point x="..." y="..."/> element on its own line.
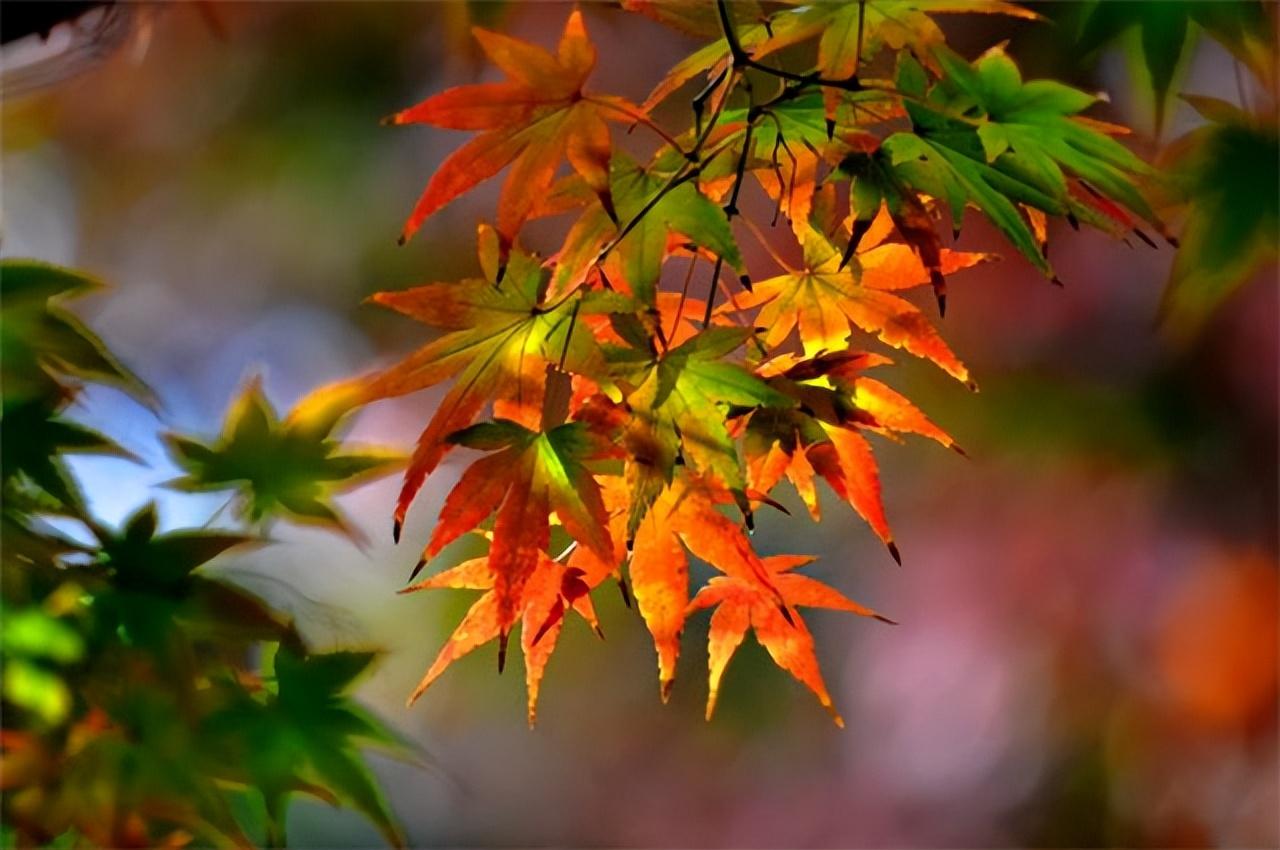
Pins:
<point x="155" y="585"/>
<point x="680" y="402"/>
<point x="637" y="257"/>
<point x="302" y="734"/>
<point x="984" y="137"/>
<point x="36" y="439"/>
<point x="288" y="468"/>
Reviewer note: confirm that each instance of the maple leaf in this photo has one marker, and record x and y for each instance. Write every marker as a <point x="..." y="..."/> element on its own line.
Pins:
<point x="685" y="517"/>
<point x="32" y="453"/>
<point x="530" y="122"/>
<point x="850" y="34"/>
<point x="551" y="589"/>
<point x="290" y="467"/>
<point x="821" y="435"/>
<point x="159" y="598"/>
<point x="1018" y="147"/>
<point x="657" y="211"/>
<point x="501" y="338"/>
<point x="679" y="402"/>
<point x="843" y="29"/>
<point x="302" y="733"/>
<point x="788" y="148"/>
<point x="740" y="605"/>
<point x="825" y="301"/>
<point x="528" y="475"/>
<point x="40" y="339"/>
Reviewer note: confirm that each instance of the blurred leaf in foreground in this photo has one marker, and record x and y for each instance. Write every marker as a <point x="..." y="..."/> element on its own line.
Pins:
<point x="41" y="340"/>
<point x="1228" y="171"/>
<point x="286" y="467"/>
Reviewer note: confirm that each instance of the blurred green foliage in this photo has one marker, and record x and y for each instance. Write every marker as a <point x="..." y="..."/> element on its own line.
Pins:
<point x="287" y="468"/>
<point x="144" y="699"/>
<point x="1227" y="171"/>
<point x="1224" y="173"/>
<point x="1167" y="31"/>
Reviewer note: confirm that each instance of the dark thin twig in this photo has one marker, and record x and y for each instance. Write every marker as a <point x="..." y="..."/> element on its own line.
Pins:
<point x="682" y="176"/>
<point x="711" y="296"/>
<point x="700" y="99"/>
<point x="742" y="59"/>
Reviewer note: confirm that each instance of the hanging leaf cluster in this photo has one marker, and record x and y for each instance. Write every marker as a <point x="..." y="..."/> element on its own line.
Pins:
<point x="630" y="399"/>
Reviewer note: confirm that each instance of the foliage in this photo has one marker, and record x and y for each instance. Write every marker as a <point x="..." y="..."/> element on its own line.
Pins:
<point x="1229" y="230"/>
<point x="288" y="468"/>
<point x="634" y="398"/>
<point x="147" y="701"/>
<point x="649" y="422"/>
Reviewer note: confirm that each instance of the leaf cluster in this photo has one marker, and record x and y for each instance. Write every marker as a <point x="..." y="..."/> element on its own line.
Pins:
<point x="642" y="391"/>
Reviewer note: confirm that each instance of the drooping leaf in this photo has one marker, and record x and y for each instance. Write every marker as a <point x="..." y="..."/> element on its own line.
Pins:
<point x="527" y="477"/>
<point x="778" y="627"/>
<point x="982" y="136"/>
<point x="551" y="590"/>
<point x="685" y="517"/>
<point x="822" y="435"/>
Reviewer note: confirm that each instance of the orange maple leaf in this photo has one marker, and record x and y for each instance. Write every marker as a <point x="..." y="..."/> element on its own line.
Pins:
<point x="530" y="122"/>
<point x="499" y="341"/>
<point x="551" y="589"/>
<point x="825" y="300"/>
<point x="821" y="435"/>
<point x="740" y="605"/>
<point x="684" y="517"/>
<point x="529" y="475"/>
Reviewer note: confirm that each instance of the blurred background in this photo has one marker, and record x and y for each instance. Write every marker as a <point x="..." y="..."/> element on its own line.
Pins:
<point x="1087" y="653"/>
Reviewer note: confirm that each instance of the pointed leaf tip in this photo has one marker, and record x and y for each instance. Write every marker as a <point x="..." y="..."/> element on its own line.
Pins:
<point x="1141" y="234"/>
<point x="893" y="550"/>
